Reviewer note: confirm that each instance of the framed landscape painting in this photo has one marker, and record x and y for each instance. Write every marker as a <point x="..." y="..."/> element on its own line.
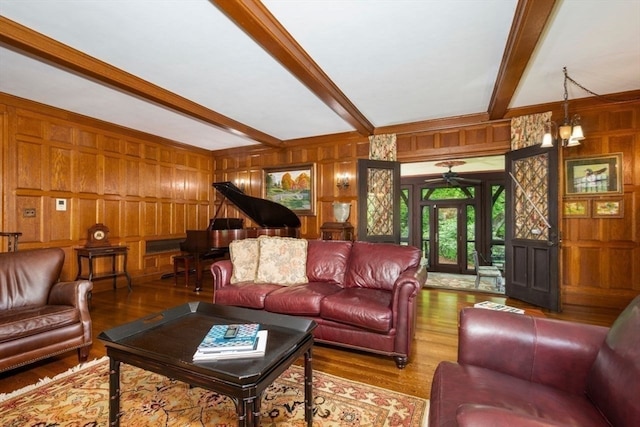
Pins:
<point x="293" y="187"/>
<point x="607" y="208"/>
<point x="591" y="176"/>
<point x="576" y="209"/>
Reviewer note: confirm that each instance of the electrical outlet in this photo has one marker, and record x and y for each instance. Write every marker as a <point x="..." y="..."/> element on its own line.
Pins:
<point x="29" y="212"/>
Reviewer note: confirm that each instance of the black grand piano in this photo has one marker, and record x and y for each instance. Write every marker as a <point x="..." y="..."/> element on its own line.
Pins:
<point x="272" y="219"/>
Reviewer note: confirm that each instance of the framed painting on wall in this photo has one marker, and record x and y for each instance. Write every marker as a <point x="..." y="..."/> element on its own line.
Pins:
<point x="292" y="186"/>
<point x="609" y="208"/>
<point x="576" y="209"/>
<point x="591" y="176"/>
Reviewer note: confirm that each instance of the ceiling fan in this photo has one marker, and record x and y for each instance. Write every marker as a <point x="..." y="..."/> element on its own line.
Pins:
<point x="450" y="177"/>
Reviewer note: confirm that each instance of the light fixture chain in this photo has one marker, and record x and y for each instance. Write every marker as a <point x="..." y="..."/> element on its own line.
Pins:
<point x="590" y="92"/>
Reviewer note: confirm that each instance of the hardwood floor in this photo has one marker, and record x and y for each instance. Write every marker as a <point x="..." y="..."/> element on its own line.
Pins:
<point x="436" y="337"/>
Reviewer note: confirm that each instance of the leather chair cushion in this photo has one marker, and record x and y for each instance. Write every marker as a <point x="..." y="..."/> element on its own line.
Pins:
<point x="456" y="385"/>
<point x="365" y="308"/>
<point x="26" y="276"/>
<point x="613" y="383"/>
<point x="16" y="324"/>
<point x="327" y="260"/>
<point x="301" y="300"/>
<point x="378" y="265"/>
<point x="237" y="295"/>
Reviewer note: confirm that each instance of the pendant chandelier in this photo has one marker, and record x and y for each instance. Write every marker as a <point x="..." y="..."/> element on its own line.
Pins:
<point x="570" y="131"/>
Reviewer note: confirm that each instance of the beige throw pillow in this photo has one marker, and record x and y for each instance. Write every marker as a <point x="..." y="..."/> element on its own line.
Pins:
<point x="282" y="260"/>
<point x="244" y="258"/>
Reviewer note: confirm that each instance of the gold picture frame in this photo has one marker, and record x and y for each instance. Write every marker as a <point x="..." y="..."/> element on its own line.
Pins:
<point x="578" y="208"/>
<point x="291" y="186"/>
<point x="593" y="176"/>
<point x="608" y="208"/>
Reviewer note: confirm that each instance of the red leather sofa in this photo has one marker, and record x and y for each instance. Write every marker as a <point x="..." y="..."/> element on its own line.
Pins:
<point x="362" y="295"/>
<point x="40" y="316"/>
<point x="517" y="370"/>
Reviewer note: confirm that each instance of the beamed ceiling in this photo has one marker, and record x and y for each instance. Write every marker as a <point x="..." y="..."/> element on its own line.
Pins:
<point x="221" y="74"/>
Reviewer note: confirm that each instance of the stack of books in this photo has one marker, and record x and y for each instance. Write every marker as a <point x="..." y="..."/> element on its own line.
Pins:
<point x="248" y="341"/>
<point x="498" y="307"/>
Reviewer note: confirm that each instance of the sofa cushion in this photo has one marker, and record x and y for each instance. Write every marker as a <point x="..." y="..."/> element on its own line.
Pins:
<point x="19" y="323"/>
<point x="378" y="265"/>
<point x="244" y="258"/>
<point x="613" y="383"/>
<point x="455" y="386"/>
<point x="236" y="294"/>
<point x="327" y="260"/>
<point x="282" y="260"/>
<point x="301" y="300"/>
<point x="365" y="308"/>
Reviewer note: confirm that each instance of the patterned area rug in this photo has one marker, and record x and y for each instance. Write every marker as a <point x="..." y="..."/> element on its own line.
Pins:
<point x="459" y="282"/>
<point x="79" y="397"/>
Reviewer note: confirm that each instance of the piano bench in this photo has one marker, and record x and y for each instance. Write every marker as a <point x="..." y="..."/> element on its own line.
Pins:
<point x="187" y="263"/>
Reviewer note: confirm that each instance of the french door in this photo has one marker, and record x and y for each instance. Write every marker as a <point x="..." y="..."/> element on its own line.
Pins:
<point x="532" y="227"/>
<point x="448" y="235"/>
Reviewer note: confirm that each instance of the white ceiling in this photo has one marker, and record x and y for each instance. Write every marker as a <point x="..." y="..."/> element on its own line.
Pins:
<point x="396" y="61"/>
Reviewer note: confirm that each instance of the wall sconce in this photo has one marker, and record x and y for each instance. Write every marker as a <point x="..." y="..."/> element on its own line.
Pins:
<point x="342" y="181"/>
<point x="570" y="131"/>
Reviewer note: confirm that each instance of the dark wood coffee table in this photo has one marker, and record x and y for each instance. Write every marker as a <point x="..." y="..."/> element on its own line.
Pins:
<point x="165" y="342"/>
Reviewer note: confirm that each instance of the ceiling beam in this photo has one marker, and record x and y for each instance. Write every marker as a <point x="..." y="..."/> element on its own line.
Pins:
<point x="256" y="20"/>
<point x="529" y="21"/>
<point x="25" y="39"/>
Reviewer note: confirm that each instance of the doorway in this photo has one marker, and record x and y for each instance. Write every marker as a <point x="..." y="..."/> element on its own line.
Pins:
<point x="450" y="222"/>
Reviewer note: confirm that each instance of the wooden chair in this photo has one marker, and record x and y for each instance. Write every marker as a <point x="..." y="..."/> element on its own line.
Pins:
<point x="486" y="271"/>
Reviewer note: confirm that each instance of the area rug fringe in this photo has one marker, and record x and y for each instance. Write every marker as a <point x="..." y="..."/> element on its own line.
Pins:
<point x="46" y="380"/>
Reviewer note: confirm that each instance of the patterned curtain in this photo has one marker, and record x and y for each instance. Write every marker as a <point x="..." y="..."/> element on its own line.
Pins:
<point x="383" y="147"/>
<point x="528" y="130"/>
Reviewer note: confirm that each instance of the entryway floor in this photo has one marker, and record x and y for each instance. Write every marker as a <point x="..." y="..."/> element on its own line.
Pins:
<point x="461" y="282"/>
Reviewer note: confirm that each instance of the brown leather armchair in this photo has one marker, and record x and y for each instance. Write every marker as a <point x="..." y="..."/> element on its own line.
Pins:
<point x="518" y="370"/>
<point x="39" y="315"/>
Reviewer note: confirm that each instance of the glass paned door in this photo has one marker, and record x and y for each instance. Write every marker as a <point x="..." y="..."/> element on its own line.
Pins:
<point x="447" y="236"/>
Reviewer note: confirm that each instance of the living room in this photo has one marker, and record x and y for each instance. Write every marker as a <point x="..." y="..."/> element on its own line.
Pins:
<point x="147" y="187"/>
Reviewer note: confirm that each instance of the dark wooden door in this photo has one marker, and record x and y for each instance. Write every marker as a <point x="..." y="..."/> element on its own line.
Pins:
<point x="378" y="201"/>
<point x="531" y="243"/>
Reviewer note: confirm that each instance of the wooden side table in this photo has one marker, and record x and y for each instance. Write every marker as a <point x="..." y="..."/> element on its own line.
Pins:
<point x="12" y="245"/>
<point x="108" y="251"/>
<point x="336" y="231"/>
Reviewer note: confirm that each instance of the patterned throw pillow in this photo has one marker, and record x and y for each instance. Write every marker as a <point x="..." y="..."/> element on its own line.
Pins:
<point x="244" y="258"/>
<point x="282" y="260"/>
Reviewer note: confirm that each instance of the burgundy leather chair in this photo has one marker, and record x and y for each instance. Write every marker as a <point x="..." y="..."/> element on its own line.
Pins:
<point x="518" y="370"/>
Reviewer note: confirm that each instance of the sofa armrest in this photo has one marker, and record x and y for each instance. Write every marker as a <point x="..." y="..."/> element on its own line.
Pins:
<point x="74" y="293"/>
<point x="409" y="283"/>
<point x="481" y="415"/>
<point x="546" y="351"/>
<point x="221" y="272"/>
<point x="403" y="303"/>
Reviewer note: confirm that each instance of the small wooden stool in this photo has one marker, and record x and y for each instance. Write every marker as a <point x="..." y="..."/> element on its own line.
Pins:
<point x="186" y="262"/>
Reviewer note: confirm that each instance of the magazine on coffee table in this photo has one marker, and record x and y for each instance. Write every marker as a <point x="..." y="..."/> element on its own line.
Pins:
<point x="217" y="338"/>
<point x="498" y="307"/>
<point x="258" y="351"/>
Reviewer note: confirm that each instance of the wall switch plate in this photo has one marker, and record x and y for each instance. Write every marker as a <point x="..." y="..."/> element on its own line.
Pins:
<point x="61" y="204"/>
<point x="29" y="212"/>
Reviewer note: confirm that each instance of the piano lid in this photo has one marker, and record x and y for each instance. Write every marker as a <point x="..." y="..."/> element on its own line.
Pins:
<point x="263" y="212"/>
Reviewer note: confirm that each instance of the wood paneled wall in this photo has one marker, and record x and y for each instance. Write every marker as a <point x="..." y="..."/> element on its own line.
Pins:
<point x="147" y="188"/>
<point x="141" y="187"/>
<point x="601" y="256"/>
